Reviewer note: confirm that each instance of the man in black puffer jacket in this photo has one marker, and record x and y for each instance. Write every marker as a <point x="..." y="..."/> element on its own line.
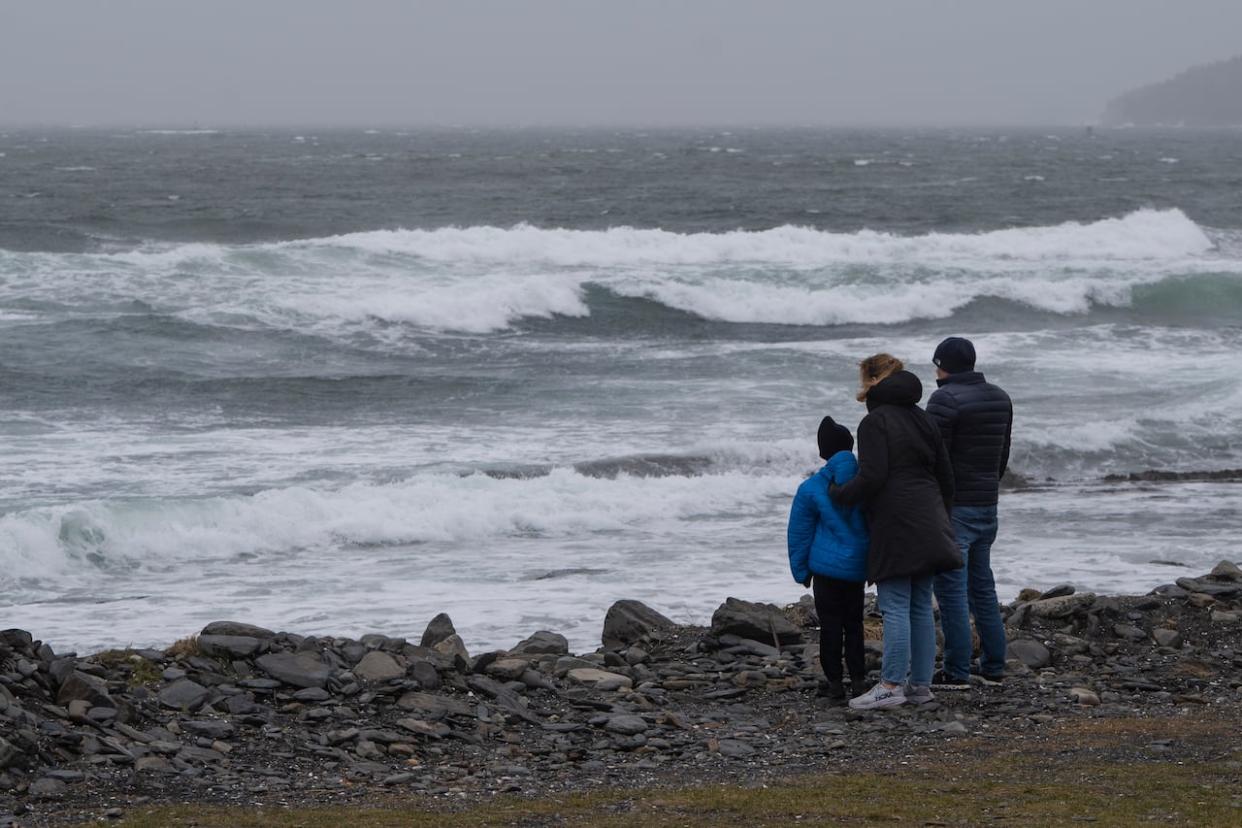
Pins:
<point x="976" y="422"/>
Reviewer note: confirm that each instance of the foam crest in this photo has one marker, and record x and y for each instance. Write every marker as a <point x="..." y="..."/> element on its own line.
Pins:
<point x="1144" y="234"/>
<point x="72" y="541"/>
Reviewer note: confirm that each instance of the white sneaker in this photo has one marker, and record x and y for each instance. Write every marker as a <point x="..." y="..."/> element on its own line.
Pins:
<point x="919" y="694"/>
<point x="879" y="697"/>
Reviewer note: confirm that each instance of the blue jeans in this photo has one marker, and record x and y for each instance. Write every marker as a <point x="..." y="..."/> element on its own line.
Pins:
<point x="969" y="591"/>
<point x="909" y="630"/>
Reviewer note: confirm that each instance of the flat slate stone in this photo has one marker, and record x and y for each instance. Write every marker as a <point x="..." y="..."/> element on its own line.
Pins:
<point x="297" y="669"/>
<point x="184" y="694"/>
<point x="436" y="707"/>
<point x="592" y="677"/>
<point x="84" y="687"/>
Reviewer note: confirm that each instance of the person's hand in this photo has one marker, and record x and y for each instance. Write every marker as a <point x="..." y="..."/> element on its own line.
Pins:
<point x="834" y="491"/>
<point x="807" y="582"/>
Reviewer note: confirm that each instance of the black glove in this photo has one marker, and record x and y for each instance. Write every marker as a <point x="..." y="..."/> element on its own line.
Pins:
<point x="807" y="582"/>
<point x="834" y="491"/>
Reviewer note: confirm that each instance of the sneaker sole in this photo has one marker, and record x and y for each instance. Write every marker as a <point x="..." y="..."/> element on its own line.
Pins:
<point x="892" y="701"/>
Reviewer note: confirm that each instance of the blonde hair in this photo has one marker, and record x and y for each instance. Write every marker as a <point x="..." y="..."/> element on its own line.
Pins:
<point x="874" y="369"/>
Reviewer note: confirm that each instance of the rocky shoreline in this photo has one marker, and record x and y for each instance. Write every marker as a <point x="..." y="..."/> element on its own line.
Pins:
<point x="242" y="715"/>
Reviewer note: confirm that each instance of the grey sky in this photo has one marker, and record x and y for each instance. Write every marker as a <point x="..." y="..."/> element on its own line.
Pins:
<point x="377" y="62"/>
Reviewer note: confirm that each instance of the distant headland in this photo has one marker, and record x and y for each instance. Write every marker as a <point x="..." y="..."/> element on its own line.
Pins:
<point x="1207" y="95"/>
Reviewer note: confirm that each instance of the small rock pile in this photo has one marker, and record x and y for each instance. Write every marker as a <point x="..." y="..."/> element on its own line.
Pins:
<point x="239" y="712"/>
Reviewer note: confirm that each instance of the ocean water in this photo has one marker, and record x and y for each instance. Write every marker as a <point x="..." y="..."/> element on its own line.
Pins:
<point x="336" y="382"/>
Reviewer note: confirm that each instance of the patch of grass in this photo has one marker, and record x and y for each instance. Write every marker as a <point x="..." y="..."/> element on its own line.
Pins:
<point x="1008" y="791"/>
<point x="184" y="648"/>
<point x="144" y="672"/>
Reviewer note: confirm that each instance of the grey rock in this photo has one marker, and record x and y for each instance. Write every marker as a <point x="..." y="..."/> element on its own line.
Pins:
<point x="9" y="754"/>
<point x="302" y="669"/>
<point x="1215" y="589"/>
<point x="85" y="687"/>
<point x="1084" y="697"/>
<point x="748" y="619"/>
<point x="434" y="707"/>
<point x="229" y="646"/>
<point x="1220" y="616"/>
<point x="440" y="628"/>
<point x="508" y="669"/>
<point x="626" y="724"/>
<point x="153" y="764"/>
<point x="1167" y="638"/>
<point x="954" y="728"/>
<point x="426" y="674"/>
<point x="1030" y="652"/>
<point x="735" y="749"/>
<point x="312" y="694"/>
<point x="543" y="643"/>
<point x="184" y="694"/>
<point x="17" y="639"/>
<point x="629" y="622"/>
<point x="1227" y="571"/>
<point x="377" y="666"/>
<point x="236" y="629"/>
<point x="1129" y="632"/>
<point x="1058" y="591"/>
<point x="48" y="788"/>
<point x="435" y="730"/>
<point x="211" y="728"/>
<point x="453" y="647"/>
<point x="599" y="679"/>
<point x="1063" y="607"/>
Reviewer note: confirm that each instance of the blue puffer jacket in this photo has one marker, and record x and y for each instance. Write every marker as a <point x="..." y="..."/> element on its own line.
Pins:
<point x="826" y="538"/>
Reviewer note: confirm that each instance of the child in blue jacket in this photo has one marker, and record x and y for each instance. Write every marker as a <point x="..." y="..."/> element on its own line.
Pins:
<point x="828" y="549"/>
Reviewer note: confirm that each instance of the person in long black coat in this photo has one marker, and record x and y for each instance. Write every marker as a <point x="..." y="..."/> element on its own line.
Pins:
<point x="905" y="486"/>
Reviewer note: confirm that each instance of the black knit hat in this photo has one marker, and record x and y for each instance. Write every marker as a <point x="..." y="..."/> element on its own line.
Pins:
<point x="833" y="438"/>
<point x="955" y="355"/>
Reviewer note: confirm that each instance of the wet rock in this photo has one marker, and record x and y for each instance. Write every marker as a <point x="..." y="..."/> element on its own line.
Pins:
<point x="1058" y="591"/>
<point x="438" y="629"/>
<point x="543" y="643"/>
<point x="236" y="629"/>
<point x="630" y="622"/>
<point x="229" y="646"/>
<point x="747" y="619"/>
<point x="1217" y="589"/>
<point x="184" y="694"/>
<point x="377" y="666"/>
<point x="452" y="647"/>
<point x="1030" y="652"/>
<point x="298" y="669"/>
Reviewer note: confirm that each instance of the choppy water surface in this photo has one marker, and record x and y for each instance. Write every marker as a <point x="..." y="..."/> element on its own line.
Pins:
<point x="338" y="382"/>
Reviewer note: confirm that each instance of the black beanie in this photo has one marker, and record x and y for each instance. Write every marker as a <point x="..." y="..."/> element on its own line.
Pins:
<point x="833" y="438"/>
<point x="955" y="355"/>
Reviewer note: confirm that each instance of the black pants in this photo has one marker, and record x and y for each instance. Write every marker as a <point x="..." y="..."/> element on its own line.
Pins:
<point x="839" y="605"/>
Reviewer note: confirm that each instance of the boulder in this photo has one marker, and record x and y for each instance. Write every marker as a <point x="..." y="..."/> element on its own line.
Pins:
<point x="229" y="646"/>
<point x="1062" y="607"/>
<point x="1030" y="652"/>
<point x="453" y="647"/>
<point x="1058" y="591"/>
<point x="629" y="622"/>
<point x="236" y="629"/>
<point x="17" y="639"/>
<point x="440" y="628"/>
<point x="1220" y="589"/>
<point x="1227" y="571"/>
<point x="377" y="666"/>
<point x="543" y="643"/>
<point x="84" y="687"/>
<point x="298" y="669"/>
<point x="760" y="622"/>
<point x="184" y="694"/>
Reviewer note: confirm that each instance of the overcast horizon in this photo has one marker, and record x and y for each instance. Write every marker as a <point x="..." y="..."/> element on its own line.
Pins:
<point x="556" y="63"/>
